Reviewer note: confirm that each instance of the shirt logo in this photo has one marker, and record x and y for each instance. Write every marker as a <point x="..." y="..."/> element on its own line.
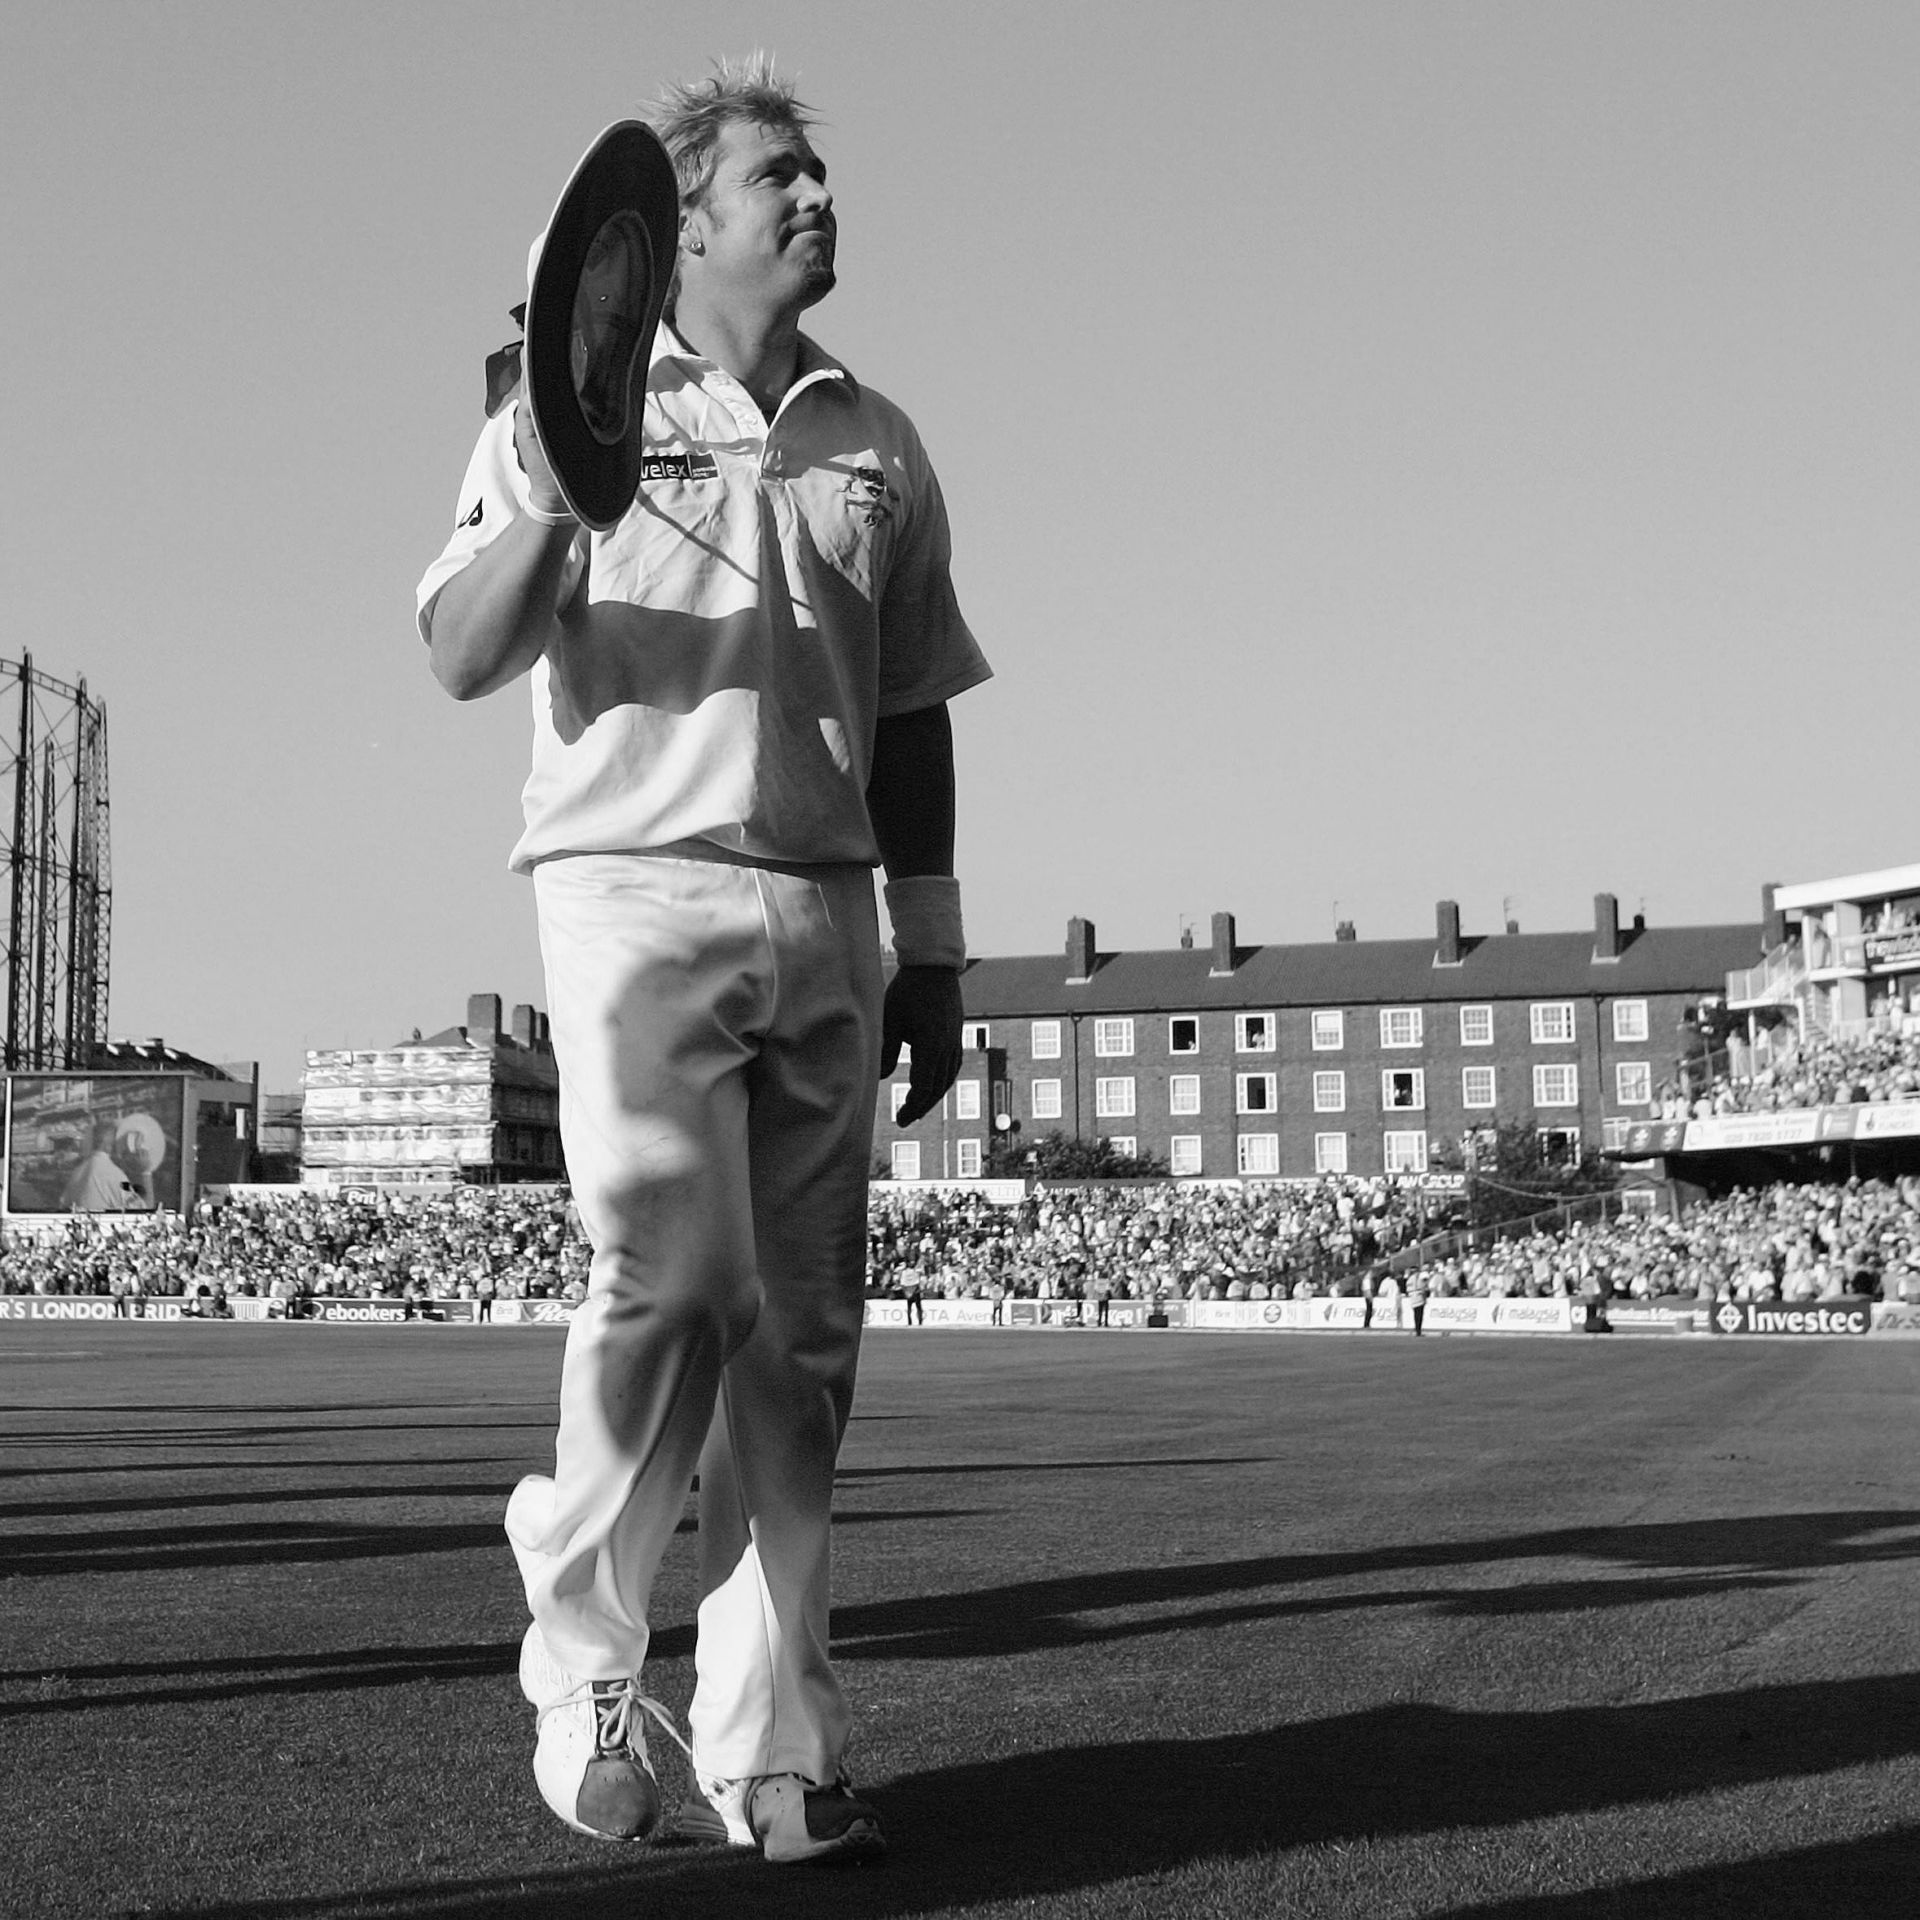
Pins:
<point x="679" y="466"/>
<point x="473" y="519"/>
<point x="869" y="495"/>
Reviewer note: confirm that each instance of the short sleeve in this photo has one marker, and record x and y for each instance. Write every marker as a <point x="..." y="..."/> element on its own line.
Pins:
<point x="927" y="651"/>
<point x="494" y="491"/>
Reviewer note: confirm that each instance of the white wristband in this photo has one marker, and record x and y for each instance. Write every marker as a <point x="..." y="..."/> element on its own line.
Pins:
<point x="925" y="911"/>
<point x="565" y="517"/>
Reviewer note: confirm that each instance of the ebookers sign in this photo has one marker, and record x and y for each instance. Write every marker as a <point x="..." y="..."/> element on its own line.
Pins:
<point x="382" y="1312"/>
<point x="1748" y="1316"/>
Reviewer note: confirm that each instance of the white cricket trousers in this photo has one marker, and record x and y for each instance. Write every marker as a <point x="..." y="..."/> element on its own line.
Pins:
<point x="717" y="1033"/>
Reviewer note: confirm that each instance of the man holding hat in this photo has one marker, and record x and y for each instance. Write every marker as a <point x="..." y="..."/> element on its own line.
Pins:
<point x="739" y="695"/>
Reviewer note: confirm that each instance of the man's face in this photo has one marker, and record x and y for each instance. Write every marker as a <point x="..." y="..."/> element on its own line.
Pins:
<point x="767" y="222"/>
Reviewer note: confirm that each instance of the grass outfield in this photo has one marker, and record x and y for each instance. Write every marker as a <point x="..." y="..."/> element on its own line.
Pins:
<point x="1134" y="1625"/>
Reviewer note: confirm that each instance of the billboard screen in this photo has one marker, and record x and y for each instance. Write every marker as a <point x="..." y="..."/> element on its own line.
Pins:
<point x="94" y="1143"/>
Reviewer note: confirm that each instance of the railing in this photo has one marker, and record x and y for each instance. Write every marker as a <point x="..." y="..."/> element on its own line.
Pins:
<point x="1583" y="1209"/>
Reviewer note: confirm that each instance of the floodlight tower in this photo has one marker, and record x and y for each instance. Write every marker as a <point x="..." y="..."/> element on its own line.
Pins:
<point x="59" y="887"/>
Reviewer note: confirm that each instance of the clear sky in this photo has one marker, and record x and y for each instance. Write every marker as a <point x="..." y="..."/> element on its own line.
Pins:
<point x="1395" y="452"/>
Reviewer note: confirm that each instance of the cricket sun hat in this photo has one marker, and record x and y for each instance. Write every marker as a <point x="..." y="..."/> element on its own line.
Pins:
<point x="596" y="293"/>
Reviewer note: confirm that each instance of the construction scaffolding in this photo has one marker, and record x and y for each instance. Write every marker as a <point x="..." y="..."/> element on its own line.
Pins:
<point x="59" y="870"/>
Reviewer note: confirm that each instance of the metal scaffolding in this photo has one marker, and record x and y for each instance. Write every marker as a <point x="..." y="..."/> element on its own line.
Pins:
<point x="58" y="867"/>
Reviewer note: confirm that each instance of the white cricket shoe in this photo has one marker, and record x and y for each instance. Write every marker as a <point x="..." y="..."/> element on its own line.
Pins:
<point x="590" y="1756"/>
<point x="789" y="1819"/>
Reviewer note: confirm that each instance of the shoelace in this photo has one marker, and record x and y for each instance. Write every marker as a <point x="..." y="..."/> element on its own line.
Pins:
<point x="613" y="1703"/>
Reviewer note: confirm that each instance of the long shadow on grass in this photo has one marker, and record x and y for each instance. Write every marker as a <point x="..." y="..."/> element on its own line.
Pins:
<point x="1632" y="1565"/>
<point x="1043" y="1825"/>
<point x="1845" y="1880"/>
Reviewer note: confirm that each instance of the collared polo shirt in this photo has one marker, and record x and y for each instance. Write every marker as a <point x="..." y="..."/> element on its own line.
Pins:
<point x="725" y="651"/>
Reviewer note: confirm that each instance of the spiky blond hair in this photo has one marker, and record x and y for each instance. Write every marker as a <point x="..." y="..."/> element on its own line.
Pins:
<point x="690" y="115"/>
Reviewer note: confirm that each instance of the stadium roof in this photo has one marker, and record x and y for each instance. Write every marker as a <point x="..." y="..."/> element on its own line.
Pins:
<point x="1355" y="972"/>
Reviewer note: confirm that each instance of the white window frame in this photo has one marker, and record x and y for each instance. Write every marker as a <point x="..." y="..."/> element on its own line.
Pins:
<point x="1113" y="1037"/>
<point x="1633" y="1083"/>
<point x="1257" y="1155"/>
<point x="1630" y="1022"/>
<point x="1556" y="1086"/>
<point x="1545" y="1016"/>
<point x="1330" y="1090"/>
<point x="1481" y="1033"/>
<point x="1184" y="1155"/>
<point x="1113" y="1098"/>
<point x="1402" y="1027"/>
<point x="1251" y="1038"/>
<point x="903" y="1160"/>
<point x="1043" y="1099"/>
<point x="974" y="1034"/>
<point x="1404" y="1152"/>
<point x="1613" y="1136"/>
<point x="1570" y="1135"/>
<point x="1044" y="1040"/>
<point x="1174" y="1023"/>
<point x="897" y="1097"/>
<point x="1243" y="1085"/>
<point x="1126" y="1145"/>
<point x="1418" y="1088"/>
<point x="1329" y="1153"/>
<point x="1469" y="1076"/>
<point x="1183" y="1093"/>
<point x="968" y="1163"/>
<point x="966" y="1099"/>
<point x="1329" y="1030"/>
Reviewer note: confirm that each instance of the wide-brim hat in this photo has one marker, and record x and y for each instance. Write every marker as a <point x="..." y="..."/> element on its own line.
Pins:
<point x="597" y="290"/>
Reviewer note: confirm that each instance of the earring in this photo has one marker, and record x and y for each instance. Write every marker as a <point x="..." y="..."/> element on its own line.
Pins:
<point x="695" y="246"/>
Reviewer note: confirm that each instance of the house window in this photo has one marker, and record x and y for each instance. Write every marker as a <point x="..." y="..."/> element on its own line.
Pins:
<point x="1113" y="1039"/>
<point x="1480" y="1147"/>
<point x="1113" y="1099"/>
<point x="1401" y="1027"/>
<point x="1183" y="1153"/>
<point x="905" y="1160"/>
<point x="974" y="1034"/>
<point x="1633" y="1084"/>
<point x="1613" y="1134"/>
<point x="1630" y="1020"/>
<point x="1183" y="1034"/>
<point x="1556" y="1086"/>
<point x="1259" y="1153"/>
<point x="1183" y="1093"/>
<point x="1046" y="1099"/>
<point x="966" y="1099"/>
<point x="1476" y="1086"/>
<point x="1404" y="1087"/>
<point x="1560" y="1146"/>
<point x="1256" y="1092"/>
<point x="1329" y="1153"/>
<point x="1329" y="1036"/>
<point x="1405" y="1153"/>
<point x="1046" y="1039"/>
<point x="1552" y="1022"/>
<point x="966" y="1159"/>
<point x="1476" y="1026"/>
<point x="1124" y="1144"/>
<point x="897" y="1096"/>
<point x="1254" y="1032"/>
<point x="1330" y="1094"/>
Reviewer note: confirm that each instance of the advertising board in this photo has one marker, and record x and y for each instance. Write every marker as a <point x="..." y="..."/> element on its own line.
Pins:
<point x="1773" y="1317"/>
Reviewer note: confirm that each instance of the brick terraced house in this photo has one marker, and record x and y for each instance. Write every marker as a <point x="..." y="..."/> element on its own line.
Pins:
<point x="1354" y="1056"/>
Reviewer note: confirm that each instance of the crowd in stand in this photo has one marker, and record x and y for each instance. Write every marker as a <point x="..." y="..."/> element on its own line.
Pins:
<point x="1161" y="1240"/>
<point x="1820" y="1070"/>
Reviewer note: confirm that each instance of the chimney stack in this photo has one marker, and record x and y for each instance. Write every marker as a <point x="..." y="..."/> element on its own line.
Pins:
<point x="523" y="1026"/>
<point x="1606" y="927"/>
<point x="1344" y="931"/>
<point x="1446" y="949"/>
<point x="1080" y="951"/>
<point x="483" y="1019"/>
<point x="1222" y="945"/>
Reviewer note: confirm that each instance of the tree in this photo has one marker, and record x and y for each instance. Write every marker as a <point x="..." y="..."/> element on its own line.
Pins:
<point x="1513" y="1170"/>
<point x="1056" y="1156"/>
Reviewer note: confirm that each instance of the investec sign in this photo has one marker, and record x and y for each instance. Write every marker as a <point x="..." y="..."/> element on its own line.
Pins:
<point x="1747" y="1316"/>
